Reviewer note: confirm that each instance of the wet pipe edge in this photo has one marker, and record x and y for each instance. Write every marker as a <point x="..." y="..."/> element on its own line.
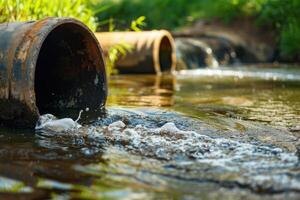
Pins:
<point x="80" y="85"/>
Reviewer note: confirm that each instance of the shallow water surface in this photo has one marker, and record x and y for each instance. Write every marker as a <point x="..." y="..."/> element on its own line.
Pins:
<point x="227" y="133"/>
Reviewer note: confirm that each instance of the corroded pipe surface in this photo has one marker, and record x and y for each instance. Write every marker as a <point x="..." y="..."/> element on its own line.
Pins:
<point x="151" y="51"/>
<point x="52" y="66"/>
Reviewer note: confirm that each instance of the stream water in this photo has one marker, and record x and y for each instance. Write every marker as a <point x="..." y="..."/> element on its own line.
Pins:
<point x="224" y="133"/>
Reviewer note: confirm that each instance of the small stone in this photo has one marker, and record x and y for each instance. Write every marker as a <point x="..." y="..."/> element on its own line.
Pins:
<point x="116" y="126"/>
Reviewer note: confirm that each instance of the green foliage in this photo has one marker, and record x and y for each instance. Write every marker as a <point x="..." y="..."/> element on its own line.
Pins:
<point x="283" y="15"/>
<point x="171" y="14"/>
<point x="290" y="38"/>
<point x="25" y="10"/>
<point x="159" y="13"/>
<point x="227" y="10"/>
<point x="136" y="24"/>
<point x="114" y="54"/>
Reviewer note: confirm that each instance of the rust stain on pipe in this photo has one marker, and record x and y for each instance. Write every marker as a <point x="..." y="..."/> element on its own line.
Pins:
<point x="53" y="66"/>
<point x="152" y="51"/>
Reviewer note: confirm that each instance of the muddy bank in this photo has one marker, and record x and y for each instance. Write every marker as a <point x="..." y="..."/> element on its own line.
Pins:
<point x="241" y="40"/>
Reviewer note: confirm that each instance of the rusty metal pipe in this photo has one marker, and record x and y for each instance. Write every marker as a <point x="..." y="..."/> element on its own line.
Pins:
<point x="152" y="51"/>
<point x="53" y="66"/>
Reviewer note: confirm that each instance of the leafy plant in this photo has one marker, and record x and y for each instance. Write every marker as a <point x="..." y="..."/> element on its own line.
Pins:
<point x="25" y="10"/>
<point x="139" y="22"/>
<point x="115" y="53"/>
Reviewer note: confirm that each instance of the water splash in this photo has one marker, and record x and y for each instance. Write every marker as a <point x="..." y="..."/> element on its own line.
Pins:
<point x="170" y="143"/>
<point x="260" y="166"/>
<point x="252" y="164"/>
<point x="49" y="122"/>
<point x="195" y="53"/>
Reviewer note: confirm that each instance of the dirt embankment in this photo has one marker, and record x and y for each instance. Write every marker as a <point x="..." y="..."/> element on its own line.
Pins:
<point x="252" y="43"/>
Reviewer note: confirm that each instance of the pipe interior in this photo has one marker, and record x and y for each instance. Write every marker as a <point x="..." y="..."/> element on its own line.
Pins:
<point x="165" y="54"/>
<point x="66" y="71"/>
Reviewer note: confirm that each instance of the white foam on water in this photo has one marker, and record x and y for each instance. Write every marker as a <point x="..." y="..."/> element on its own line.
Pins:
<point x="168" y="142"/>
<point x="255" y="163"/>
<point x="49" y="122"/>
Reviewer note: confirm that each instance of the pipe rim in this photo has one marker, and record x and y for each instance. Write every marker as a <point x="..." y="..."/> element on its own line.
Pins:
<point x="45" y="27"/>
<point x="156" y="51"/>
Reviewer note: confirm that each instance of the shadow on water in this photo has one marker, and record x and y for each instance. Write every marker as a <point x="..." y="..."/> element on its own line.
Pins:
<point x="209" y="134"/>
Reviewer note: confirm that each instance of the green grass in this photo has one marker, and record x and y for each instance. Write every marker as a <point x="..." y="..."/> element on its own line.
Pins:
<point x="24" y="10"/>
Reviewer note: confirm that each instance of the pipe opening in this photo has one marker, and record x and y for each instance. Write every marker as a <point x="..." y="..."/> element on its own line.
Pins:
<point x="66" y="71"/>
<point x="165" y="54"/>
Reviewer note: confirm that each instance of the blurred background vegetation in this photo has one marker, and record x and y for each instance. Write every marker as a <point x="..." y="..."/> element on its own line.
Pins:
<point x="282" y="15"/>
